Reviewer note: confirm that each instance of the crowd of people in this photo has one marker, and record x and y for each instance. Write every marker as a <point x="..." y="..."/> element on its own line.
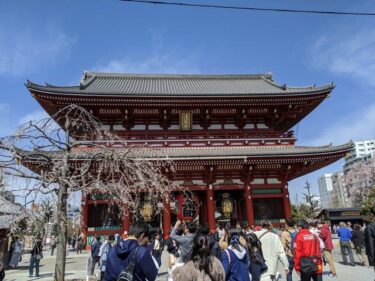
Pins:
<point x="243" y="254"/>
<point x="235" y="254"/>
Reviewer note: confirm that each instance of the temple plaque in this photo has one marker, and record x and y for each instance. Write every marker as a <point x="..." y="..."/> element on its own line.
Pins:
<point x="185" y="121"/>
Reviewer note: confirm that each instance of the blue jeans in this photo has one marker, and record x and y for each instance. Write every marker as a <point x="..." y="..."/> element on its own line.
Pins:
<point x="346" y="248"/>
<point x="291" y="266"/>
<point x="34" y="262"/>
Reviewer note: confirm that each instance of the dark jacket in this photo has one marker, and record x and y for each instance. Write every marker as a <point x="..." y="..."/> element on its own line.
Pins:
<point x="235" y="264"/>
<point x="370" y="242"/>
<point x="119" y="257"/>
<point x="37" y="248"/>
<point x="257" y="266"/>
<point x="358" y="238"/>
<point x="95" y="248"/>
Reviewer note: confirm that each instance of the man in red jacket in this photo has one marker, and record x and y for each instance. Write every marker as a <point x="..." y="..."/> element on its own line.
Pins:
<point x="325" y="235"/>
<point x="307" y="246"/>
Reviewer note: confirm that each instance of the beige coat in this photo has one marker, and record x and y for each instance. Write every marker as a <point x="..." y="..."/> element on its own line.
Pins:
<point x="188" y="272"/>
<point x="273" y="252"/>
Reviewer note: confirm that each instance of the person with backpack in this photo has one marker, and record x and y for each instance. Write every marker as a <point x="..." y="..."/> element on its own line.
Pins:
<point x="214" y="246"/>
<point x="325" y="235"/>
<point x="201" y="265"/>
<point x="103" y="254"/>
<point x="307" y="254"/>
<point x="272" y="250"/>
<point x="130" y="259"/>
<point x="234" y="259"/>
<point x="257" y="264"/>
<point x="288" y="237"/>
<point x="95" y="248"/>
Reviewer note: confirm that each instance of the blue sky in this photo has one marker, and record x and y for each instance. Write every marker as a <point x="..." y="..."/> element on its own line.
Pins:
<point x="54" y="41"/>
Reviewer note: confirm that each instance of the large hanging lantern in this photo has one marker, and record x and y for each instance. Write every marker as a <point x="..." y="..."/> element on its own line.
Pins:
<point x="147" y="211"/>
<point x="227" y="205"/>
<point x="187" y="206"/>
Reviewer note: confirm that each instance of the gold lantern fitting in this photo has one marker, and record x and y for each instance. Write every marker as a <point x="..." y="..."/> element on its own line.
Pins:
<point x="227" y="205"/>
<point x="147" y="211"/>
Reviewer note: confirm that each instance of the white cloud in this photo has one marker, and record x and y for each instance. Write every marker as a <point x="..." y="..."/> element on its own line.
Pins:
<point x="354" y="126"/>
<point x="4" y="111"/>
<point x="352" y="56"/>
<point x="27" y="49"/>
<point x="36" y="115"/>
<point x="158" y="63"/>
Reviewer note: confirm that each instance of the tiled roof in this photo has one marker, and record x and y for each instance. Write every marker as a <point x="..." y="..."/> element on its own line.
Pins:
<point x="9" y="213"/>
<point x="7" y="220"/>
<point x="9" y="208"/>
<point x="113" y="84"/>
<point x="247" y="151"/>
<point x="221" y="152"/>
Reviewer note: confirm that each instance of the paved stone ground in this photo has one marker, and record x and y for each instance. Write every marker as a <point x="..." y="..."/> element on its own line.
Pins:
<point x="76" y="269"/>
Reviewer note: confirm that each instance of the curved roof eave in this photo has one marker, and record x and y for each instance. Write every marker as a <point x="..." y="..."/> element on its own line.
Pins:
<point x="60" y="90"/>
<point x="98" y="84"/>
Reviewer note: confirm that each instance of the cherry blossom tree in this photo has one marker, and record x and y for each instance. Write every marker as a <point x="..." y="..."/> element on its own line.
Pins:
<point x="71" y="151"/>
<point x="360" y="181"/>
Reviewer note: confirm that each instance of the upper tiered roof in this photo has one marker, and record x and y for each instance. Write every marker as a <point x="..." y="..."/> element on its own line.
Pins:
<point x="120" y="84"/>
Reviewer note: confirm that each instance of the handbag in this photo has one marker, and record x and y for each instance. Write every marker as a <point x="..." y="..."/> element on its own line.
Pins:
<point x="38" y="256"/>
<point x="309" y="265"/>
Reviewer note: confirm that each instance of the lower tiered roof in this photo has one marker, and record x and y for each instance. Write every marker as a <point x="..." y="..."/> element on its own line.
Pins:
<point x="299" y="159"/>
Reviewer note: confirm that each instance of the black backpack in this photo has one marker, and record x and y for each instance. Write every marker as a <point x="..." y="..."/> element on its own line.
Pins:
<point x="128" y="273"/>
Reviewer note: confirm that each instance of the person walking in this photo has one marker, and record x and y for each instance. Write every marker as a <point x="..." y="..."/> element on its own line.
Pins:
<point x="53" y="244"/>
<point x="201" y="265"/>
<point x="287" y="239"/>
<point x="157" y="248"/>
<point x="80" y="244"/>
<point x="325" y="235"/>
<point x="257" y="263"/>
<point x="95" y="248"/>
<point x="103" y="254"/>
<point x="234" y="259"/>
<point x="2" y="270"/>
<point x="132" y="250"/>
<point x="358" y="240"/>
<point x="36" y="256"/>
<point x="307" y="254"/>
<point x="74" y="240"/>
<point x="16" y="253"/>
<point x="273" y="251"/>
<point x="185" y="241"/>
<point x="370" y="239"/>
<point x="345" y="236"/>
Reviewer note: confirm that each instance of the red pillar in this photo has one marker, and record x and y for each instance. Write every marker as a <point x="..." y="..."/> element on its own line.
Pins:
<point x="210" y="200"/>
<point x="286" y="202"/>
<point x="126" y="220"/>
<point x="84" y="217"/>
<point x="249" y="206"/>
<point x="166" y="218"/>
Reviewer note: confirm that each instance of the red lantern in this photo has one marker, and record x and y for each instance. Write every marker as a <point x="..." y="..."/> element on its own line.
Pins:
<point x="188" y="206"/>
